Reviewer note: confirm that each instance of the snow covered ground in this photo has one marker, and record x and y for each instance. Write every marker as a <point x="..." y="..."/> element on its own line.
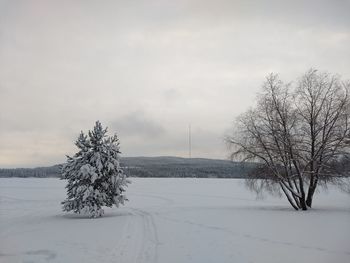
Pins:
<point x="171" y="220"/>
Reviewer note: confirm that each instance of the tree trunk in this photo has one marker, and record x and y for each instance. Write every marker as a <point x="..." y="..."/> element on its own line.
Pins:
<point x="288" y="197"/>
<point x="302" y="192"/>
<point x="309" y="200"/>
<point x="310" y="194"/>
<point x="303" y="203"/>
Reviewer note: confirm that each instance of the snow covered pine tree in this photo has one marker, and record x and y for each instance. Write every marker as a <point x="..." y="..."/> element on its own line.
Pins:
<point x="95" y="178"/>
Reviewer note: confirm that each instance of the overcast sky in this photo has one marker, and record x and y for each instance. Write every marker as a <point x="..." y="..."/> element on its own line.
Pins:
<point x="146" y="69"/>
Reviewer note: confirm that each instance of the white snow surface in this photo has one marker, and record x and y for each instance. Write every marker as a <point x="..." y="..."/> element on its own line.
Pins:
<point x="172" y="221"/>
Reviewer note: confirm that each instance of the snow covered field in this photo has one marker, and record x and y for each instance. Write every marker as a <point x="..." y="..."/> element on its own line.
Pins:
<point x="171" y="221"/>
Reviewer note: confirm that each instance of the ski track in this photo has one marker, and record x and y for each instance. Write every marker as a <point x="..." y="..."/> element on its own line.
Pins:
<point x="139" y="240"/>
<point x="31" y="256"/>
<point x="253" y="237"/>
<point x="150" y="241"/>
<point x="141" y="234"/>
<point x="170" y="202"/>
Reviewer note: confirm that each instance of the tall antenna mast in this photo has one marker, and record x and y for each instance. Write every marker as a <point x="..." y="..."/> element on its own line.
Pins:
<point x="189" y="142"/>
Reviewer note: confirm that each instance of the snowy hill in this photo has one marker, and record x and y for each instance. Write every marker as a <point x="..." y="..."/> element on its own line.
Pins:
<point x="183" y="167"/>
<point x="163" y="166"/>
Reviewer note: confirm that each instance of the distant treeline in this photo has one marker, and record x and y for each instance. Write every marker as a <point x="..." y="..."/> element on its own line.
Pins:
<point x="40" y="172"/>
<point x="183" y="167"/>
<point x="154" y="167"/>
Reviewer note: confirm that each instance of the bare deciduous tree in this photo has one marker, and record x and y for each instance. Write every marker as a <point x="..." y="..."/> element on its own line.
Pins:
<point x="297" y="134"/>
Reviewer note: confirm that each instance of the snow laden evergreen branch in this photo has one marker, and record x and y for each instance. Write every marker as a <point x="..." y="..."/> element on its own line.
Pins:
<point x="95" y="178"/>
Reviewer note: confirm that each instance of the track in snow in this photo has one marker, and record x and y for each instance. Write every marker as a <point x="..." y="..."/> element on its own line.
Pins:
<point x="171" y="220"/>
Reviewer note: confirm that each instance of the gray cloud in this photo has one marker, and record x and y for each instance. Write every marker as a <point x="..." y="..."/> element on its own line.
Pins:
<point x="137" y="124"/>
